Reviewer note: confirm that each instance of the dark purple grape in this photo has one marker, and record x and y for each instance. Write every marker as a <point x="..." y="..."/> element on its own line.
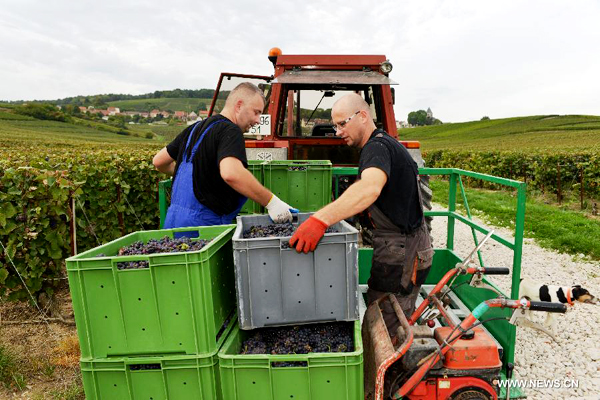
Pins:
<point x="154" y="246"/>
<point x="335" y="337"/>
<point x="275" y="230"/>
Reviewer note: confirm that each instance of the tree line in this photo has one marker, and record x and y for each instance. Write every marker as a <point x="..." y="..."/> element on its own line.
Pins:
<point x="100" y="100"/>
<point x="420" y="118"/>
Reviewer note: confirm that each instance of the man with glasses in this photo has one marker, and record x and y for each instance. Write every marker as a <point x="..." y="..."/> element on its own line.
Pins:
<point x="388" y="188"/>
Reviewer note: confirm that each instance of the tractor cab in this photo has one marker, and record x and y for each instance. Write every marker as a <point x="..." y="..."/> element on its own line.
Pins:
<point x="296" y="123"/>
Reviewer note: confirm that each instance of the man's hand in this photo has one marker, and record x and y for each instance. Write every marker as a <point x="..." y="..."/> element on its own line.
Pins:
<point x="308" y="235"/>
<point x="279" y="211"/>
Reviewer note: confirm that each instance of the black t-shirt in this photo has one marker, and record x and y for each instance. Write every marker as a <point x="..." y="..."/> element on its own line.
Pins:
<point x="225" y="139"/>
<point x="399" y="199"/>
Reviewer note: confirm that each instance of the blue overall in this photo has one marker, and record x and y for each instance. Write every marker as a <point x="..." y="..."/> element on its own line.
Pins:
<point x="185" y="209"/>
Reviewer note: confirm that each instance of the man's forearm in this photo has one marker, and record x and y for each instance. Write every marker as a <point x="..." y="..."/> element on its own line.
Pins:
<point x="354" y="200"/>
<point x="246" y="184"/>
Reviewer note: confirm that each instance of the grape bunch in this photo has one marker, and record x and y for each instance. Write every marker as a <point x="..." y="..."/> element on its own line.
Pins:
<point x="275" y="230"/>
<point x="334" y="337"/>
<point x="272" y="230"/>
<point x="154" y="246"/>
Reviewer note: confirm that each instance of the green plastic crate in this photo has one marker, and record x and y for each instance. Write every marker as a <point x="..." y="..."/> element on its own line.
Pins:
<point x="252" y="207"/>
<point x="306" y="190"/>
<point x="156" y="378"/>
<point x="175" y="306"/>
<point x="325" y="376"/>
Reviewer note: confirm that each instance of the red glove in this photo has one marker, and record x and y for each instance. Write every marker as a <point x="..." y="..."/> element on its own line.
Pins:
<point x="308" y="234"/>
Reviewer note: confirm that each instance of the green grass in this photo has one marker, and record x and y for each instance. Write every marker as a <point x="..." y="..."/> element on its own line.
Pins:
<point x="5" y="115"/>
<point x="164" y="133"/>
<point x="552" y="227"/>
<point x="73" y="392"/>
<point x="147" y="105"/>
<point x="536" y="134"/>
<point x="39" y="133"/>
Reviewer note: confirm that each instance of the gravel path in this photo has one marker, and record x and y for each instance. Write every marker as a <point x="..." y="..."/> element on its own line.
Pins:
<point x="577" y="353"/>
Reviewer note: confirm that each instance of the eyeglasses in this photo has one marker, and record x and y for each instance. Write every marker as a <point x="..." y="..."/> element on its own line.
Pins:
<point x="341" y="125"/>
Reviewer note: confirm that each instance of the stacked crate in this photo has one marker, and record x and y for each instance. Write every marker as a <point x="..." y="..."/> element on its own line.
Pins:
<point x="312" y="376"/>
<point x="154" y="332"/>
<point x="277" y="286"/>
<point x="305" y="185"/>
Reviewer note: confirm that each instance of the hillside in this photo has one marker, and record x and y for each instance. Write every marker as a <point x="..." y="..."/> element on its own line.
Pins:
<point x="168" y="104"/>
<point x="567" y="133"/>
<point x="22" y="132"/>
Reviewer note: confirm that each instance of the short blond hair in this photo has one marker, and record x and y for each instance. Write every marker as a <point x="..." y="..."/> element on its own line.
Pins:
<point x="244" y="91"/>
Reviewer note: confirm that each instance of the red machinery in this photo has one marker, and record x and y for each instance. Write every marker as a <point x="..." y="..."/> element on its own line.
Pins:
<point x="455" y="361"/>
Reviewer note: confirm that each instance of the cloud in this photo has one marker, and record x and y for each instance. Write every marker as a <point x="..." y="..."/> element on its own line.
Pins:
<point x="464" y="59"/>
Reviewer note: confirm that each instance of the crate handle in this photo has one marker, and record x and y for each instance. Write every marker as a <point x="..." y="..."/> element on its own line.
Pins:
<point x="186" y="232"/>
<point x="289" y="364"/>
<point x="144" y="367"/>
<point x="301" y="168"/>
<point x="131" y="263"/>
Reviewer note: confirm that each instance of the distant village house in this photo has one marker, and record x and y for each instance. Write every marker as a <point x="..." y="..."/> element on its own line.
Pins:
<point x="114" y="111"/>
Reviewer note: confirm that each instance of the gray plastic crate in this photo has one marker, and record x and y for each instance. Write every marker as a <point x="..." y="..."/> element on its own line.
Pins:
<point x="276" y="285"/>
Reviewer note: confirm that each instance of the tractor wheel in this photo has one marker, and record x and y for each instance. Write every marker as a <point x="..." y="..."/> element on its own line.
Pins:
<point x="471" y="393"/>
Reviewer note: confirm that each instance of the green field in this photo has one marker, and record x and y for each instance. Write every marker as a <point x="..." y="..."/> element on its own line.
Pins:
<point x="21" y="131"/>
<point x="147" y="105"/>
<point x="557" y="228"/>
<point x="28" y="133"/>
<point x="163" y="133"/>
<point x="566" y="133"/>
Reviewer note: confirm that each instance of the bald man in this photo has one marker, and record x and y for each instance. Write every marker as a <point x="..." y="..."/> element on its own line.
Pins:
<point x="208" y="163"/>
<point x="387" y="186"/>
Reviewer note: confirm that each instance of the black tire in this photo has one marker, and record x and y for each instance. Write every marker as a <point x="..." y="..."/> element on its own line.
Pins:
<point x="471" y="393"/>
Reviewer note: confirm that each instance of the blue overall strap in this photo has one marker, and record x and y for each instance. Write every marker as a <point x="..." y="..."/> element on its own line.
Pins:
<point x="199" y="140"/>
<point x="185" y="209"/>
<point x="187" y="143"/>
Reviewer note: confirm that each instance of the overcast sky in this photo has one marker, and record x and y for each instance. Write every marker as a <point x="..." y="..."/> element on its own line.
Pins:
<point x="464" y="59"/>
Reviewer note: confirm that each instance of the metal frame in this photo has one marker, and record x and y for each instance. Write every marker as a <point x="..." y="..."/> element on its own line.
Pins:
<point x="162" y="200"/>
<point x="445" y="257"/>
<point x="232" y="75"/>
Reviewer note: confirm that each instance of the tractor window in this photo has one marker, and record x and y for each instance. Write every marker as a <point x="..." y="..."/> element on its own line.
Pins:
<point x="308" y="110"/>
<point x="228" y="82"/>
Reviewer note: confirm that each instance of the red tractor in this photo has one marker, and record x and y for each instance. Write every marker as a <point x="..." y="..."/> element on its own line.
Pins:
<point x="296" y="122"/>
<point x="300" y="95"/>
